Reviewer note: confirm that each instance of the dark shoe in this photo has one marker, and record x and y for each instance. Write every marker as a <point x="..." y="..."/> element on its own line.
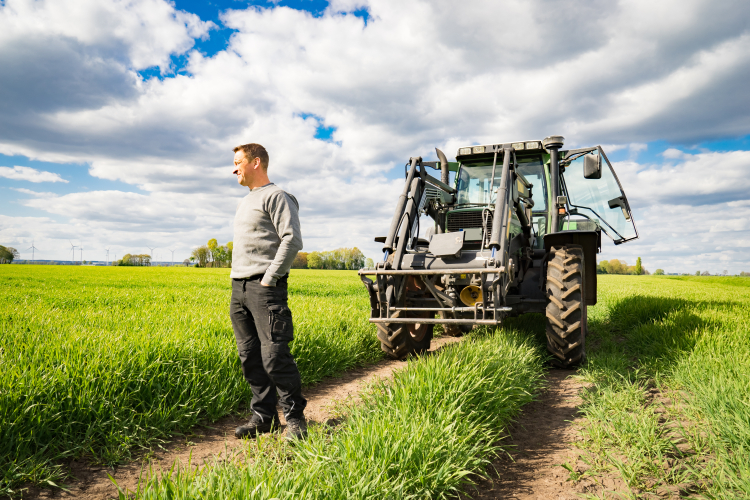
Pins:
<point x="257" y="425"/>
<point x="296" y="428"/>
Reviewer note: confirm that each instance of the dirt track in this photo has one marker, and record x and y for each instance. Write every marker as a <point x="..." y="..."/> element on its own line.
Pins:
<point x="540" y="441"/>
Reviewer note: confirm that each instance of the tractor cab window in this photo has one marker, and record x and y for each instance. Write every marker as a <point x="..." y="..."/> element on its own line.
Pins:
<point x="533" y="170"/>
<point x="476" y="186"/>
<point x="599" y="198"/>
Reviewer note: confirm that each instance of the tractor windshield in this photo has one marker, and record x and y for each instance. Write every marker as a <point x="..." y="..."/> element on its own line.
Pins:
<point x="476" y="186"/>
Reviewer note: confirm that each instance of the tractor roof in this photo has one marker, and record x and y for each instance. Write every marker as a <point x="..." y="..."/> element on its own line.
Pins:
<point x="531" y="145"/>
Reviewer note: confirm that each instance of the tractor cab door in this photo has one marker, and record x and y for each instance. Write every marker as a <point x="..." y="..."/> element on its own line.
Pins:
<point x="595" y="195"/>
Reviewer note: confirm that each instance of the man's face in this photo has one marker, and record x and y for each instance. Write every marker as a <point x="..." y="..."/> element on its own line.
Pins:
<point x="244" y="169"/>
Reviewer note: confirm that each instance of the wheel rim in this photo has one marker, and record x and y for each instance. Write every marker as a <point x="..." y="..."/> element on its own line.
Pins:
<point x="417" y="331"/>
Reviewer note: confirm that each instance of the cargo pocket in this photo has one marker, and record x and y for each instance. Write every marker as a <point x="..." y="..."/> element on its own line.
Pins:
<point x="280" y="319"/>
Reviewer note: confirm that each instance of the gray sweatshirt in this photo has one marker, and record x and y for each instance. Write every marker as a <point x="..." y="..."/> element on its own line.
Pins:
<point x="267" y="234"/>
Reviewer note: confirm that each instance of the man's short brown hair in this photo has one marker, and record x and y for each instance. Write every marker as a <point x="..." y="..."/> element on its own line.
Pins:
<point x="253" y="151"/>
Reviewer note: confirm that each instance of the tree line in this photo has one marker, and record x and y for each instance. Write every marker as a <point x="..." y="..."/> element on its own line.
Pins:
<point x="142" y="259"/>
<point x="341" y="258"/>
<point x="212" y="254"/>
<point x="8" y="254"/>
<point x="616" y="266"/>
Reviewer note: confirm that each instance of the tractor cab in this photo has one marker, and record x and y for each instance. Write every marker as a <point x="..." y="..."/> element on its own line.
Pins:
<point x="590" y="195"/>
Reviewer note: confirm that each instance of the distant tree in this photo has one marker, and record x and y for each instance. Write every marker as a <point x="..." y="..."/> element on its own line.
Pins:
<point x="212" y="246"/>
<point x="705" y="273"/>
<point x="202" y="254"/>
<point x="697" y="273"/>
<point x="615" y="266"/>
<point x="638" y="266"/>
<point x="341" y="258"/>
<point x="353" y="258"/>
<point x="300" y="261"/>
<point x="141" y="259"/>
<point x="743" y="273"/>
<point x="315" y="260"/>
<point x="725" y="272"/>
<point x="601" y="268"/>
<point x="6" y="256"/>
<point x="369" y="263"/>
<point x="659" y="272"/>
<point x="186" y="262"/>
<point x="219" y="255"/>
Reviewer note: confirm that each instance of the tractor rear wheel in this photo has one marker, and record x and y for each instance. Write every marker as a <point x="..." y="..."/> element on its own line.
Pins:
<point x="566" y="306"/>
<point x="398" y="340"/>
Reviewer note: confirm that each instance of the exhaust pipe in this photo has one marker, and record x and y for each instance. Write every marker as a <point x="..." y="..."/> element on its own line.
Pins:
<point x="444" y="172"/>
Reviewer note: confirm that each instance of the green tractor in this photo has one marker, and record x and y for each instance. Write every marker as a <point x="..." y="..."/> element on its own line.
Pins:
<point x="517" y="232"/>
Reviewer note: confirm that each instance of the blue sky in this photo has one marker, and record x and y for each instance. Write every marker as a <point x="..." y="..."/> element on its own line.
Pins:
<point x="127" y="113"/>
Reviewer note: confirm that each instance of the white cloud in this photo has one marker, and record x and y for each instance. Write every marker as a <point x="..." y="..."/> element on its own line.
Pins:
<point x="674" y="154"/>
<point x="29" y="174"/>
<point x="139" y="33"/>
<point x="692" y="212"/>
<point x="419" y="75"/>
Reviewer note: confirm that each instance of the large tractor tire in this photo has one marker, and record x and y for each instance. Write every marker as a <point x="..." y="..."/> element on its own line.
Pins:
<point x="566" y="306"/>
<point x="399" y="340"/>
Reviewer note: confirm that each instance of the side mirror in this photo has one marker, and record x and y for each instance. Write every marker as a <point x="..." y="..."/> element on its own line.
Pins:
<point x="592" y="167"/>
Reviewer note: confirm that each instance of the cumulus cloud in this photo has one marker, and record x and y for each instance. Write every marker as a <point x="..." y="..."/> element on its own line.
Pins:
<point x="29" y="174"/>
<point x="417" y="75"/>
<point x="692" y="212"/>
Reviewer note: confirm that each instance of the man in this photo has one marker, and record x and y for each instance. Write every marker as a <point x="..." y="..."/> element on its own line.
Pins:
<point x="266" y="240"/>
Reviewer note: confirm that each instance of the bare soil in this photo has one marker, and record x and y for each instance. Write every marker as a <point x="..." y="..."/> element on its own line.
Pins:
<point x="538" y="444"/>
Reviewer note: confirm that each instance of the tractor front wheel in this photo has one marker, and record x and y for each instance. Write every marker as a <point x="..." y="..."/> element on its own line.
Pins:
<point x="398" y="340"/>
<point x="566" y="306"/>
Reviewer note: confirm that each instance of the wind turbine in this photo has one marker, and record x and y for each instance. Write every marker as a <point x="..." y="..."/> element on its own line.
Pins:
<point x="73" y="250"/>
<point x="81" y="255"/>
<point x="172" y="256"/>
<point x="152" y="251"/>
<point x="32" y="248"/>
<point x="107" y="249"/>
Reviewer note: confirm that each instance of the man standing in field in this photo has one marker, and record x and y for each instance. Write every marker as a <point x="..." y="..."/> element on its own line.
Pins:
<point x="266" y="240"/>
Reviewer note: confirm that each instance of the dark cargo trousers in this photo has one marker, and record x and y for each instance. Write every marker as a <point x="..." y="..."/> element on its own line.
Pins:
<point x="263" y="328"/>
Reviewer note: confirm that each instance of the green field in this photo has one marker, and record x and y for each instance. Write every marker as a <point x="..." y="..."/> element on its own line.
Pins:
<point x="669" y="411"/>
<point x="427" y="433"/>
<point x="101" y="362"/>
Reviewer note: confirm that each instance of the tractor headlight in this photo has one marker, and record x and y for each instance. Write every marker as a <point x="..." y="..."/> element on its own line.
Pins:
<point x="532" y="145"/>
<point x="478" y="149"/>
<point x="517" y="145"/>
<point x="464" y="151"/>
